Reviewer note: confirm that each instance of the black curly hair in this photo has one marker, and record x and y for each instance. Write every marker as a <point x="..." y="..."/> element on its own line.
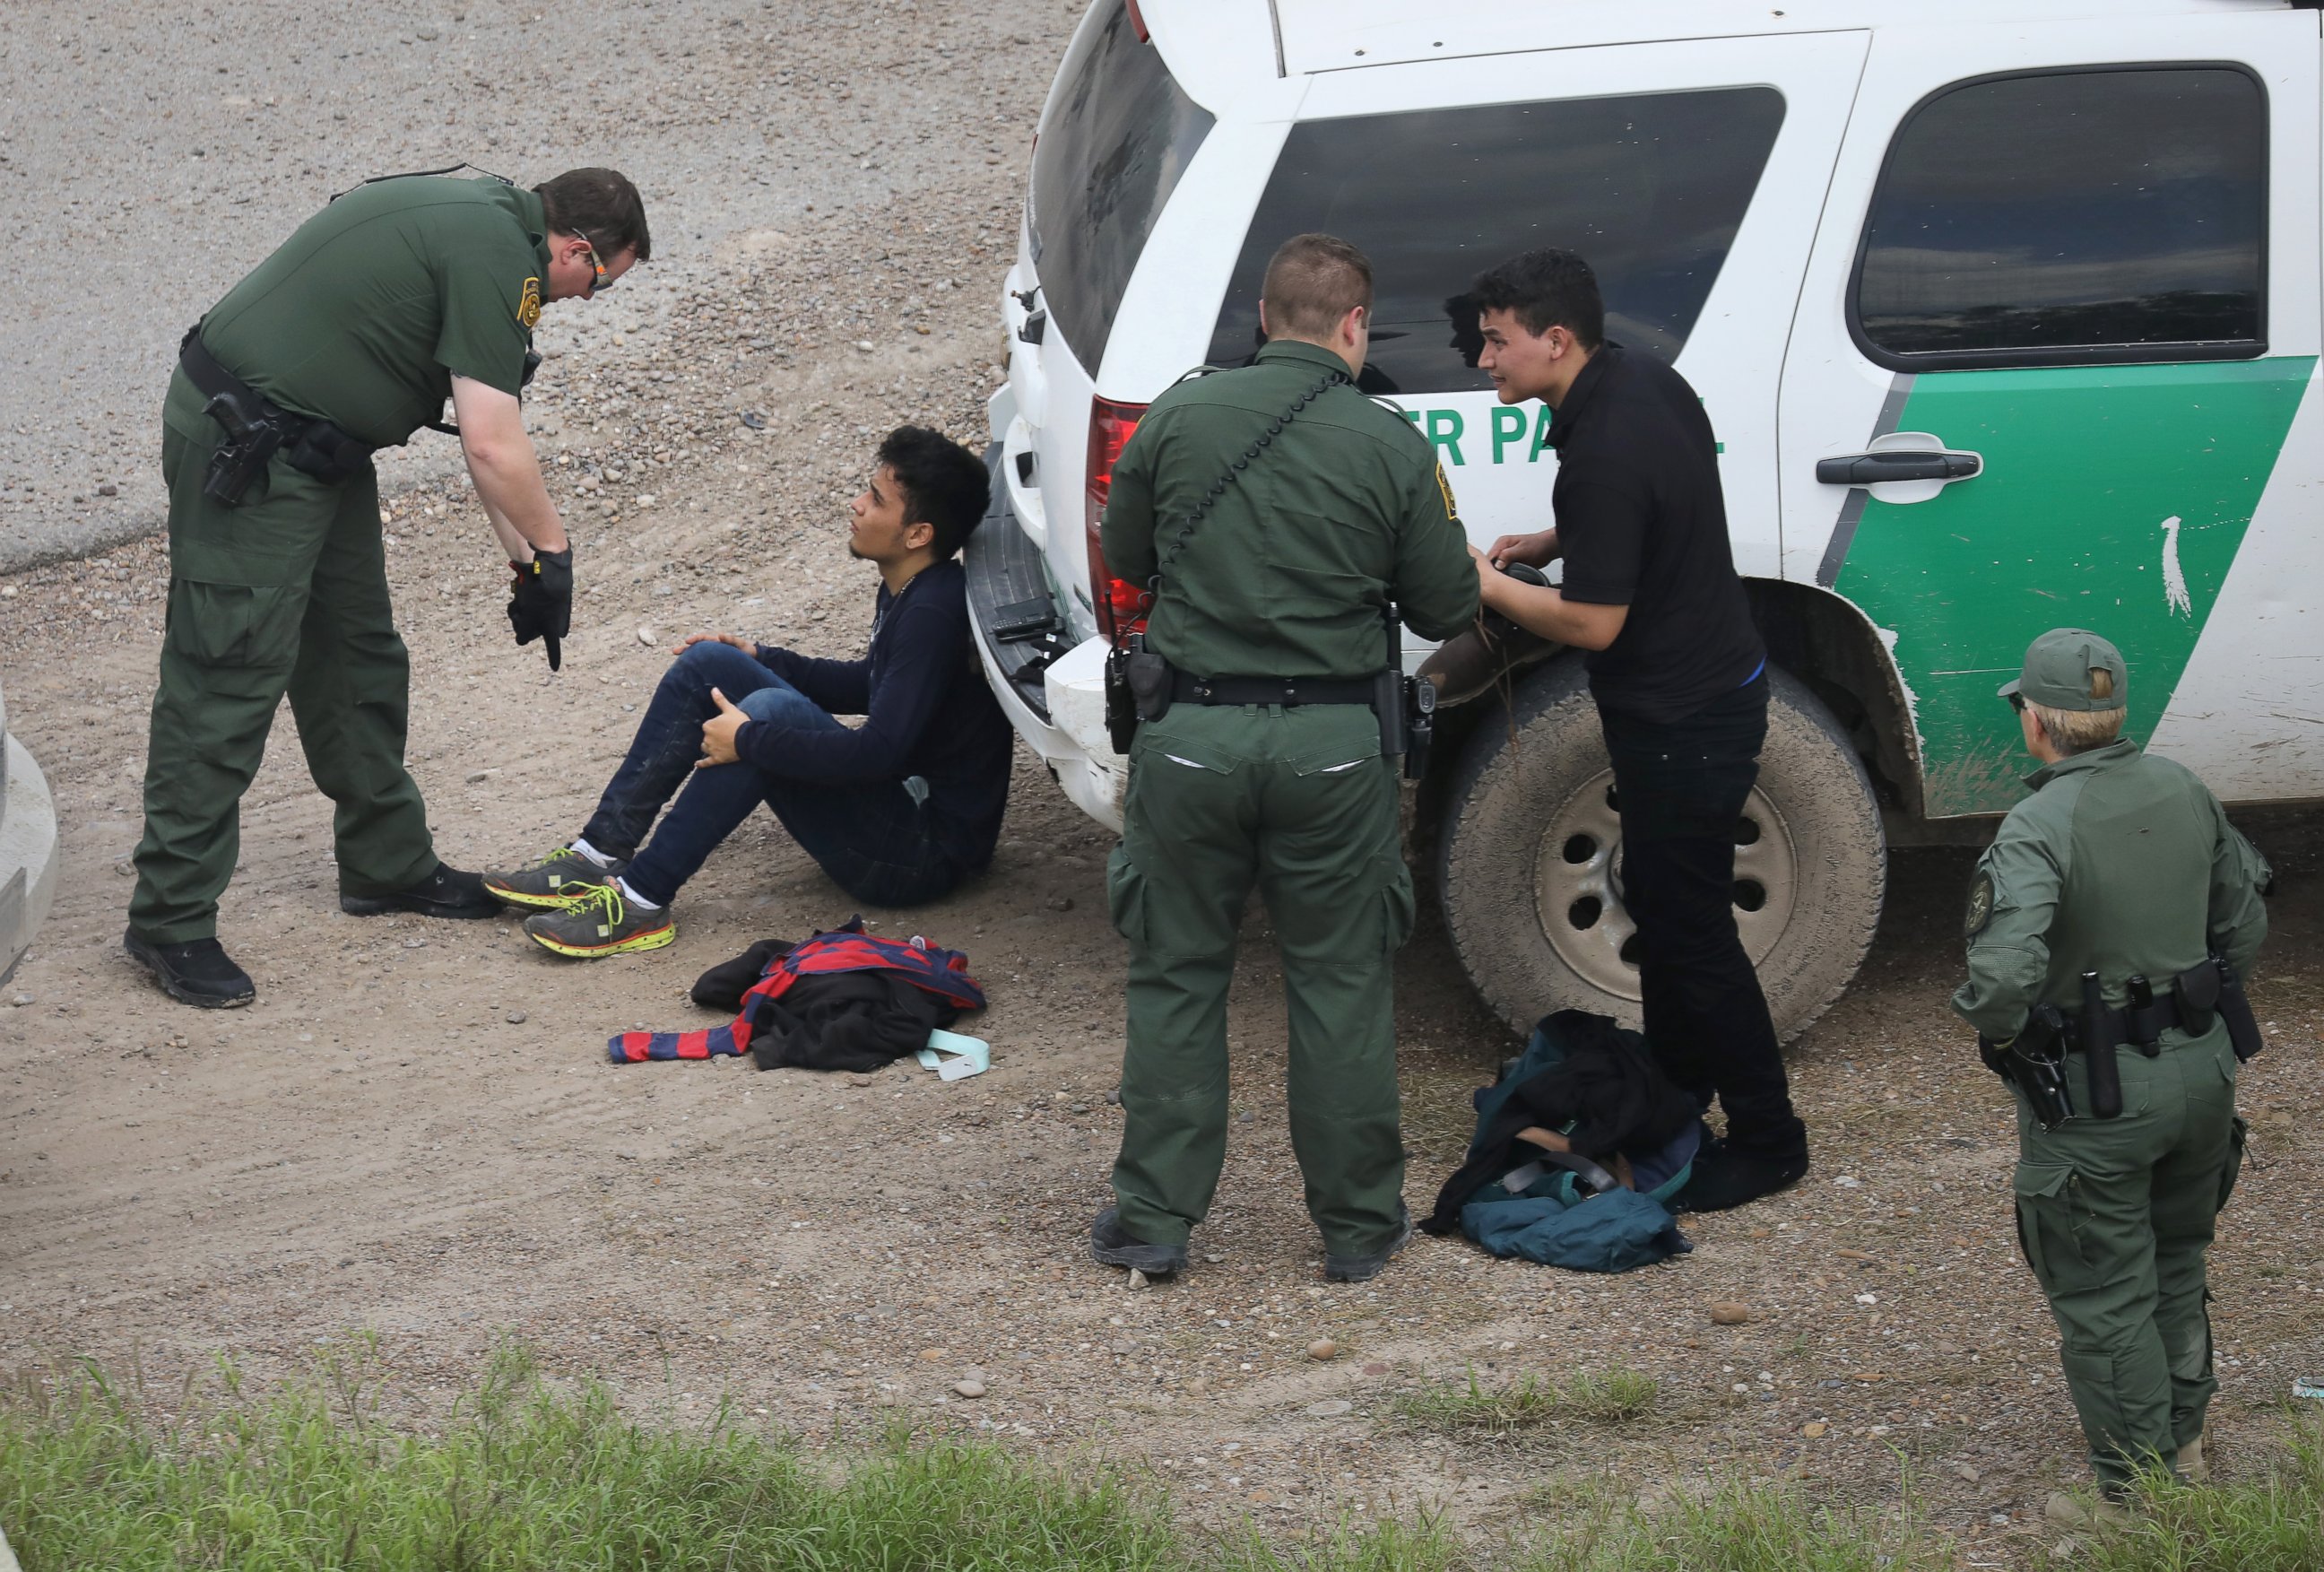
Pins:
<point x="943" y="484"/>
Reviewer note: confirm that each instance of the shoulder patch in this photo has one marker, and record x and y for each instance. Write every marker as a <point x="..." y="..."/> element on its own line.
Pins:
<point x="1980" y="905"/>
<point x="1451" y="509"/>
<point x="528" y="307"/>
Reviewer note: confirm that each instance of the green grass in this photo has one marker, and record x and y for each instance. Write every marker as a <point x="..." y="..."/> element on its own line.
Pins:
<point x="2271" y="1524"/>
<point x="1741" y="1527"/>
<point x="521" y="1476"/>
<point x="1529" y="1400"/>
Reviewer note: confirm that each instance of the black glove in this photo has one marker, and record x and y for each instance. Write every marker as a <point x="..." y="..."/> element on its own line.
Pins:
<point x="542" y="604"/>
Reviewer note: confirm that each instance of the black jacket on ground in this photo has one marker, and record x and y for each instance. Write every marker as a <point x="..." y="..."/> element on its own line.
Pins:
<point x="1612" y="1095"/>
<point x="827" y="1021"/>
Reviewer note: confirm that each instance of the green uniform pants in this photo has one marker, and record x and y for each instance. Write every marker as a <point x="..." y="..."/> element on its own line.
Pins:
<point x="1299" y="802"/>
<point x="2114" y="1215"/>
<point x="286" y="592"/>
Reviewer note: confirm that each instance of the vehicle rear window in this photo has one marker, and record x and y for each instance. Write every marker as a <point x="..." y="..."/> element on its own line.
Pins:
<point x="2095" y="215"/>
<point x="1650" y="190"/>
<point x="1110" y="152"/>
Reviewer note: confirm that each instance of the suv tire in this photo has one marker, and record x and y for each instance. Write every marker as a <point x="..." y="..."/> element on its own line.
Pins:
<point x="1529" y="859"/>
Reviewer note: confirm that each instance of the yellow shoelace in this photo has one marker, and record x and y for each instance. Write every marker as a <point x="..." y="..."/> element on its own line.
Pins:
<point x="604" y="900"/>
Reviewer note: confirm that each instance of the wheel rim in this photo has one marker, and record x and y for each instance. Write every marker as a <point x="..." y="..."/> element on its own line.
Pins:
<point x="1578" y="885"/>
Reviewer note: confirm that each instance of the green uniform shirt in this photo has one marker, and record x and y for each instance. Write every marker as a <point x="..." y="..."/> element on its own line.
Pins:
<point x="364" y="314"/>
<point x="1289" y="572"/>
<point x="2121" y="863"/>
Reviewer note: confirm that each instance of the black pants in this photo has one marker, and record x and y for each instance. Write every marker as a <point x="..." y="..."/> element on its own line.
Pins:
<point x="1681" y="786"/>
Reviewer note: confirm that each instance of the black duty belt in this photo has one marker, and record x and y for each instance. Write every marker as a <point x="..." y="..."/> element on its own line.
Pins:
<point x="1188" y="688"/>
<point x="256" y="428"/>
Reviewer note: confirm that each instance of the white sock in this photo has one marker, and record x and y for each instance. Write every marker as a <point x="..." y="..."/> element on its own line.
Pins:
<point x="632" y="896"/>
<point x="582" y="847"/>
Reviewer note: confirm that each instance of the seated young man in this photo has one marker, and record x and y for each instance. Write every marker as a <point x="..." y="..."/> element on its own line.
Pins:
<point x="897" y="812"/>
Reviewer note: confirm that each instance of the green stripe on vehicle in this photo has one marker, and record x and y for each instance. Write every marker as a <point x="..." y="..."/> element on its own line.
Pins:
<point x="2113" y="498"/>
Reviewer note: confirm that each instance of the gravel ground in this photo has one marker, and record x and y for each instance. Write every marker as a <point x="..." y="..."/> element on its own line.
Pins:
<point x="415" y="1129"/>
<point x="150" y="155"/>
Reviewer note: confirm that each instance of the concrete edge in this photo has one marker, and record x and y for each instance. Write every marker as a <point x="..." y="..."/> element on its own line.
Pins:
<point x="70" y="544"/>
<point x="29" y="844"/>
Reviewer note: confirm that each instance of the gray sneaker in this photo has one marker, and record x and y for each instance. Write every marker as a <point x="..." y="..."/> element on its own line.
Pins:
<point x="600" y="922"/>
<point x="553" y="883"/>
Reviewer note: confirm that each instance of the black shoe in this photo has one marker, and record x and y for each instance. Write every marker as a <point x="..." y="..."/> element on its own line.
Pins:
<point x="1112" y="1244"/>
<point x="1365" y="1267"/>
<point x="198" y="972"/>
<point x="446" y="892"/>
<point x="1727" y="1176"/>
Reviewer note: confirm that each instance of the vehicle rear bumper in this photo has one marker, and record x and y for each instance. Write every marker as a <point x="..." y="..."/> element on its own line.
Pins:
<point x="1052" y="690"/>
<point x="29" y="855"/>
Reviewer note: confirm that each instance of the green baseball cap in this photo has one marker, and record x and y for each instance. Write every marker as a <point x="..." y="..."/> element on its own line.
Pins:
<point x="2058" y="666"/>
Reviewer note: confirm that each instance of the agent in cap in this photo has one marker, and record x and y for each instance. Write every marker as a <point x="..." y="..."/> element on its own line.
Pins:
<point x="2123" y="864"/>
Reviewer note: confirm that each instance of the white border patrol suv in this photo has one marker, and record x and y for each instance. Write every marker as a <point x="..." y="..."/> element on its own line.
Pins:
<point x="2005" y="315"/>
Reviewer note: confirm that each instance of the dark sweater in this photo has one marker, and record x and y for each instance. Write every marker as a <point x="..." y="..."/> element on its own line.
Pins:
<point x="927" y="712"/>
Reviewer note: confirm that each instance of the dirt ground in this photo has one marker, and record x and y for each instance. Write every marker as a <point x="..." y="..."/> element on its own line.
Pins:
<point x="416" y="1128"/>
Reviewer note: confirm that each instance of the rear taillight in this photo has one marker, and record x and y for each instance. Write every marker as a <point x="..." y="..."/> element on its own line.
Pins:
<point x="1121" y="605"/>
<point x="1138" y="21"/>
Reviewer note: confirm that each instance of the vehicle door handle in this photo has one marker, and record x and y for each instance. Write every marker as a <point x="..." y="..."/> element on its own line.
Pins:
<point x="1877" y="468"/>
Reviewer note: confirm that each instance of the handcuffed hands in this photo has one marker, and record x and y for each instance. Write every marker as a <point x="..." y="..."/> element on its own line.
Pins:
<point x="541" y="602"/>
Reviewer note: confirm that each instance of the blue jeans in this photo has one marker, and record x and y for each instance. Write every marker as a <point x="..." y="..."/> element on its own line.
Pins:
<point x="871" y="838"/>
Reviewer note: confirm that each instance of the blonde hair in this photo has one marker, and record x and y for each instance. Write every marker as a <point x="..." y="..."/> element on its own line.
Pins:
<point x="2078" y="731"/>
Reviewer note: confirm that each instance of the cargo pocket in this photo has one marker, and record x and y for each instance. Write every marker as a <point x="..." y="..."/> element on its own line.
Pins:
<point x="242" y="638"/>
<point x="1397" y="908"/>
<point x="2045" y="1223"/>
<point x="1125" y="895"/>
<point x="2239" y="1137"/>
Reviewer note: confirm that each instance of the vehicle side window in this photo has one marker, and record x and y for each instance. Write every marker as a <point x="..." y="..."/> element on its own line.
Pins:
<point x="1110" y="154"/>
<point x="2110" y="215"/>
<point x="1649" y="189"/>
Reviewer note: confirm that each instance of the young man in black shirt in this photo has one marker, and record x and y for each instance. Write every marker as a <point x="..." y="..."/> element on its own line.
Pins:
<point x="898" y="811"/>
<point x="1679" y="677"/>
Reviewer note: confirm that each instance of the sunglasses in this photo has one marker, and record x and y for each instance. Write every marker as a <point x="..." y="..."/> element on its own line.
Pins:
<point x="602" y="283"/>
<point x="2017" y="702"/>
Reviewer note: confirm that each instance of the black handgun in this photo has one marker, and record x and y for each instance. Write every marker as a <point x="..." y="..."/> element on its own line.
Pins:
<point x="1419" y="698"/>
<point x="251" y="440"/>
<point x="2034" y="1063"/>
<point x="2098" y="1048"/>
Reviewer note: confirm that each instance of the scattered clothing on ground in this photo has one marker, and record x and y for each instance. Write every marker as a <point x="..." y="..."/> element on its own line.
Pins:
<point x="842" y="1000"/>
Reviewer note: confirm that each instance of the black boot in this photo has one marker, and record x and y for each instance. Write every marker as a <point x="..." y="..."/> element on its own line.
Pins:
<point x="1366" y="1265"/>
<point x="198" y="972"/>
<point x="1112" y="1244"/>
<point x="1727" y="1176"/>
<point x="446" y="892"/>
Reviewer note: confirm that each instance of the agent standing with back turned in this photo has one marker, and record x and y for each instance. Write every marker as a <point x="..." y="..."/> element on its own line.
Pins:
<point x="1276" y="513"/>
<point x="2120" y="869"/>
<point x="400" y="294"/>
<point x="1680" y="678"/>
